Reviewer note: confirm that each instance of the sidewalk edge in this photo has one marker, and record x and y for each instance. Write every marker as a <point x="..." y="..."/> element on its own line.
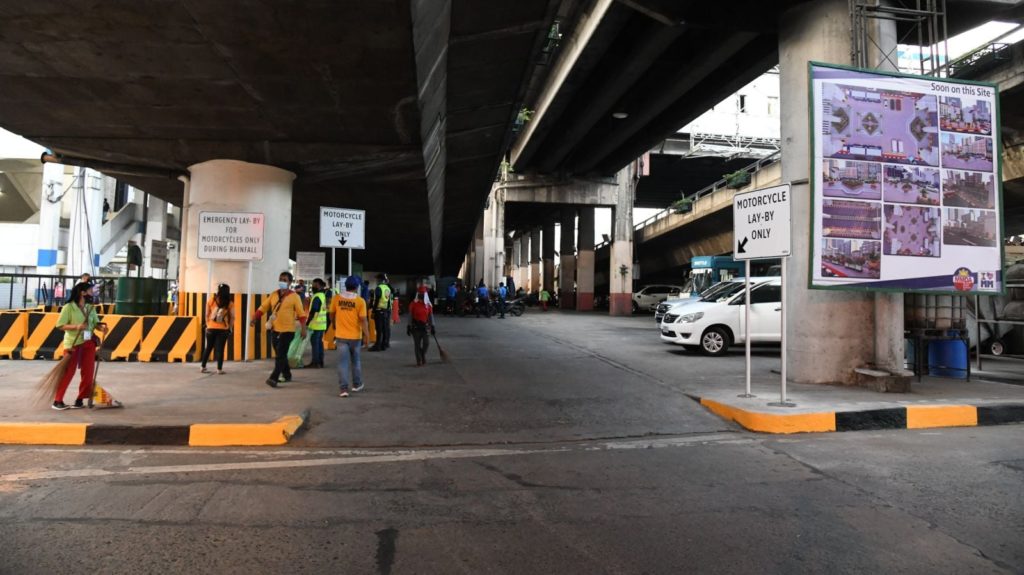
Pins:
<point x="909" y="417"/>
<point x="278" y="432"/>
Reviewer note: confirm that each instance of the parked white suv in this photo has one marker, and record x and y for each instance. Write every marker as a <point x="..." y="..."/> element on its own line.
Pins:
<point x="713" y="326"/>
<point x="650" y="296"/>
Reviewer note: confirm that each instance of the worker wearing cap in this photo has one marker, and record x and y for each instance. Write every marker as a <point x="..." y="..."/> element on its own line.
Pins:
<point x="351" y="334"/>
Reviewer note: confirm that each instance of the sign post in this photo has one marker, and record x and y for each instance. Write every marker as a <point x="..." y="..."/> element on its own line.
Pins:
<point x="232" y="236"/>
<point x="761" y="230"/>
<point x="342" y="228"/>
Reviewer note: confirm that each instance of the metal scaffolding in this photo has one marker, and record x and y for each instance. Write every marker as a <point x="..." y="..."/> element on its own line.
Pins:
<point x="927" y="20"/>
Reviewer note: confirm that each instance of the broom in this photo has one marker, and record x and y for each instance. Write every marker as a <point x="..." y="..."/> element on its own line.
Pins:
<point x="445" y="358"/>
<point x="46" y="390"/>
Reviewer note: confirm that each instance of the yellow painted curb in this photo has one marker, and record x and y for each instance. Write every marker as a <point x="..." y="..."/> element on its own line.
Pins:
<point x="774" y="423"/>
<point x="225" y="434"/>
<point x="43" y="433"/>
<point x="927" y="416"/>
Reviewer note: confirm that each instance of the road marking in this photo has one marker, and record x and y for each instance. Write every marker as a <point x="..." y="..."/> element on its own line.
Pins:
<point x="359" y="457"/>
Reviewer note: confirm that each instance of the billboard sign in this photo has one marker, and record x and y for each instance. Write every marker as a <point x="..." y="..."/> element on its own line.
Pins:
<point x="906" y="183"/>
<point x="233" y="236"/>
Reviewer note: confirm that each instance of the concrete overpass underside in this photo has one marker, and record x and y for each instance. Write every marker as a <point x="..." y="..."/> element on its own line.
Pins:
<point x="402" y="108"/>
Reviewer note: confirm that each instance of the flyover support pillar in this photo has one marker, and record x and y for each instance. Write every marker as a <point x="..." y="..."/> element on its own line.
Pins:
<point x="567" y="261"/>
<point x="234" y="186"/>
<point x="49" y="220"/>
<point x="585" y="261"/>
<point x="828" y="333"/>
<point x="620" y="273"/>
<point x="549" y="256"/>
<point x="480" y="262"/>
<point x="535" y="261"/>
<point x="516" y="261"/>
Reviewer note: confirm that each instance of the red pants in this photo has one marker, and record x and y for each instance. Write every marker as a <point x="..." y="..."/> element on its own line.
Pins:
<point x="84" y="355"/>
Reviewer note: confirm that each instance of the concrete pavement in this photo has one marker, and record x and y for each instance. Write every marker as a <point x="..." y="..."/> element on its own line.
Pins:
<point x="544" y="377"/>
<point x="553" y="443"/>
<point x="940" y="501"/>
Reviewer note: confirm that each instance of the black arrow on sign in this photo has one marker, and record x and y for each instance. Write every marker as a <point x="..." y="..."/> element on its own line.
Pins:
<point x="342" y="241"/>
<point x="742" y="244"/>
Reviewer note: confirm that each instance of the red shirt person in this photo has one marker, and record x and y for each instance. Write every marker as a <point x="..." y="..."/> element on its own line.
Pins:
<point x="421" y="325"/>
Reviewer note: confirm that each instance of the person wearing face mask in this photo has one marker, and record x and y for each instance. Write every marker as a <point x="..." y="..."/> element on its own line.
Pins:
<point x="284" y="308"/>
<point x="78" y="321"/>
<point x="318" y="322"/>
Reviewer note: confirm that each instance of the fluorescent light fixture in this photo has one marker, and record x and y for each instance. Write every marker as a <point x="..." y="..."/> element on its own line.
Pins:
<point x="620" y="115"/>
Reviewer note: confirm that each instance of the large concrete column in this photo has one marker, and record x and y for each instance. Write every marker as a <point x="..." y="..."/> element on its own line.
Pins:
<point x="535" y="260"/>
<point x="828" y="333"/>
<point x="549" y="256"/>
<point x="498" y="234"/>
<point x="585" y="261"/>
<point x="234" y="186"/>
<point x="889" y="322"/>
<point x="49" y="219"/>
<point x="86" y="215"/>
<point x="479" y="254"/>
<point x="567" y="260"/>
<point x="620" y="297"/>
<point x="515" y="257"/>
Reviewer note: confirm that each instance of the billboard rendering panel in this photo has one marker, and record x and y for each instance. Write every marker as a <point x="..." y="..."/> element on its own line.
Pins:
<point x="906" y="183"/>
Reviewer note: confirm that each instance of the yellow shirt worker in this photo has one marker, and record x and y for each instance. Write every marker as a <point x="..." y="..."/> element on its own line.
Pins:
<point x="285" y="308"/>
<point x="351" y="333"/>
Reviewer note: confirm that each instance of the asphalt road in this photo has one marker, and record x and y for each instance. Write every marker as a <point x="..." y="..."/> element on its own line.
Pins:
<point x="598" y="465"/>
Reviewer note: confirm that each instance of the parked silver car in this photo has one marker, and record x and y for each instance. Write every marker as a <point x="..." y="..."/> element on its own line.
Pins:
<point x="650" y="296"/>
<point x="663" y="307"/>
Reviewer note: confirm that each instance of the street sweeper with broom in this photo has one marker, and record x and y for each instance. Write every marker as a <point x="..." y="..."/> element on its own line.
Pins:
<point x="80" y="324"/>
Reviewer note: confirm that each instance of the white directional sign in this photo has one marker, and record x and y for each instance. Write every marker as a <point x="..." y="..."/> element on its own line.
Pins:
<point x="236" y="236"/>
<point x="761" y="224"/>
<point x="342" y="228"/>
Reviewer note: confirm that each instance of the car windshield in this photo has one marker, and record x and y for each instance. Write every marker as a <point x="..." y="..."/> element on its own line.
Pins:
<point x="722" y="291"/>
<point x="701" y="280"/>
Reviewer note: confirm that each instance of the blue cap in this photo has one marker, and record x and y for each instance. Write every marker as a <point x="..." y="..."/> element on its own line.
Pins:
<point x="351" y="283"/>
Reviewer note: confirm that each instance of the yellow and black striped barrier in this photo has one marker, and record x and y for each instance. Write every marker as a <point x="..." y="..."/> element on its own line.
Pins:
<point x="13" y="327"/>
<point x="34" y="334"/>
<point x="43" y="340"/>
<point x="123" y="338"/>
<point x="169" y="338"/>
<point x="193" y="304"/>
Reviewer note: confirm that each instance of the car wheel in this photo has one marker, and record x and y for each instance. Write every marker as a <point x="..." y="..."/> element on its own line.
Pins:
<point x="636" y="307"/>
<point x="715" y="341"/>
<point x="997" y="348"/>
